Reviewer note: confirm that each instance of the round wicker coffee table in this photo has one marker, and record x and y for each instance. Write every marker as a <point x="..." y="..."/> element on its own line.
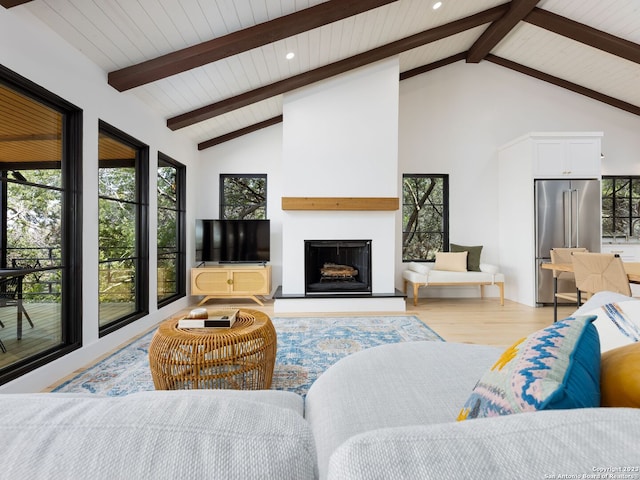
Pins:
<point x="241" y="357"/>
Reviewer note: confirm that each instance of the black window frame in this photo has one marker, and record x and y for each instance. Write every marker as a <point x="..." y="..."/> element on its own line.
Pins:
<point x="444" y="232"/>
<point x="181" y="242"/>
<point x="613" y="215"/>
<point x="141" y="282"/>
<point x="71" y="246"/>
<point x="223" y="200"/>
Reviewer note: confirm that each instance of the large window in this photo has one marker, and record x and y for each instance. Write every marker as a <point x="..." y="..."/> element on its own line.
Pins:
<point x="40" y="214"/>
<point x="425" y="216"/>
<point x="123" y="185"/>
<point x="243" y="197"/>
<point x="171" y="230"/>
<point x="621" y="206"/>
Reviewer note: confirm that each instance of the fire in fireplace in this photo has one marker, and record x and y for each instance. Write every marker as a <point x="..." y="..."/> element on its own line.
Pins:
<point x="337" y="267"/>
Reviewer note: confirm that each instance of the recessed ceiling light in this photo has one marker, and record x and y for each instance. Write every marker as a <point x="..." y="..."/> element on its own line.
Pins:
<point x="290" y="56"/>
<point x="437" y="5"/>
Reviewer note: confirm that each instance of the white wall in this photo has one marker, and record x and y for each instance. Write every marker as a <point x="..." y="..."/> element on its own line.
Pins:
<point x="257" y="153"/>
<point x="340" y="140"/>
<point x="452" y="120"/>
<point x="28" y="48"/>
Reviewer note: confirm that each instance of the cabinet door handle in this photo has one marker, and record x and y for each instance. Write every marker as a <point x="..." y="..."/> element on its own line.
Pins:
<point x="229" y="281"/>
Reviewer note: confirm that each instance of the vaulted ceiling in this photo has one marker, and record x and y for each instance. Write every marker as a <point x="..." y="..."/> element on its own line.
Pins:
<point x="217" y="69"/>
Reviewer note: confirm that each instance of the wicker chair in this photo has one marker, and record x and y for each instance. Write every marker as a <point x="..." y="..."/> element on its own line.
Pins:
<point x="597" y="272"/>
<point x="559" y="256"/>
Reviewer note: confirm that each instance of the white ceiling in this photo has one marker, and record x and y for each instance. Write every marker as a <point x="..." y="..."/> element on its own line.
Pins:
<point x="119" y="33"/>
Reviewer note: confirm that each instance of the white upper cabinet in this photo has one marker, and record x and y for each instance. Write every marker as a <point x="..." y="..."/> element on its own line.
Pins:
<point x="571" y="156"/>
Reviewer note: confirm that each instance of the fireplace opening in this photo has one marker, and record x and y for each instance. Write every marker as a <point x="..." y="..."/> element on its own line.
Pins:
<point x="337" y="267"/>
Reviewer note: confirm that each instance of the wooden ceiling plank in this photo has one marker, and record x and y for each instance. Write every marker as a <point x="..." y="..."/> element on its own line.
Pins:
<point x="574" y="87"/>
<point x="584" y="34"/>
<point x="238" y="42"/>
<point x="518" y="10"/>
<point x="336" y="68"/>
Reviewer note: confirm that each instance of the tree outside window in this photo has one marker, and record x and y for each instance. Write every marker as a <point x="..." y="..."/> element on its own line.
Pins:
<point x="122" y="228"/>
<point x="171" y="230"/>
<point x="425" y="216"/>
<point x="243" y="197"/>
<point x="621" y="206"/>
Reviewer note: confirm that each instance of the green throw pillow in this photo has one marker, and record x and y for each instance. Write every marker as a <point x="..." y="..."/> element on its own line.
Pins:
<point x="557" y="367"/>
<point x="473" y="258"/>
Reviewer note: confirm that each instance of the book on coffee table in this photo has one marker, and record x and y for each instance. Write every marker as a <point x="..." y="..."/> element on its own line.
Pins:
<point x="216" y="319"/>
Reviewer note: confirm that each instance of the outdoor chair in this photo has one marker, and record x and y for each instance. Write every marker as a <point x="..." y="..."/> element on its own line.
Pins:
<point x="564" y="280"/>
<point x="10" y="296"/>
<point x="597" y="272"/>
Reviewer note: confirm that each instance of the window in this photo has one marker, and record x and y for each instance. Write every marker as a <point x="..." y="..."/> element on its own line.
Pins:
<point x="123" y="187"/>
<point x="621" y="206"/>
<point x="40" y="245"/>
<point x="171" y="230"/>
<point x="243" y="197"/>
<point x="425" y="216"/>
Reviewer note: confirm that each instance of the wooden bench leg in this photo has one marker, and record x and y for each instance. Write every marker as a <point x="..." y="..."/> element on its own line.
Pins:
<point x="481" y="291"/>
<point x="501" y="287"/>
<point x="415" y="294"/>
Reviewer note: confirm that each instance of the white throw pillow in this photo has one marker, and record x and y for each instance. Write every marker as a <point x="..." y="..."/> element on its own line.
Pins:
<point x="422" y="268"/>
<point x="618" y="324"/>
<point x="451" y="261"/>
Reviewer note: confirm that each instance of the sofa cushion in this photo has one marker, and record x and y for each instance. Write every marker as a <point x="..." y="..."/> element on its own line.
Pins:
<point x="473" y="257"/>
<point x="620" y="377"/>
<point x="557" y="367"/>
<point x="451" y="262"/>
<point x="390" y="385"/>
<point x="161" y="435"/>
<point x="580" y="443"/>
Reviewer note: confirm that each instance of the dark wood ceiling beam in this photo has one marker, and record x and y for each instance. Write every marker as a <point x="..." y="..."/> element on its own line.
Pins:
<point x="13" y="3"/>
<point x="238" y="133"/>
<point x="432" y="66"/>
<point x="584" y="34"/>
<point x="614" y="102"/>
<point x="518" y="10"/>
<point x="312" y="76"/>
<point x="238" y="42"/>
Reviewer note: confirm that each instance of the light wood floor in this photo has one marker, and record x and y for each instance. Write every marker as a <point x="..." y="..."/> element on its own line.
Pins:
<point x="466" y="320"/>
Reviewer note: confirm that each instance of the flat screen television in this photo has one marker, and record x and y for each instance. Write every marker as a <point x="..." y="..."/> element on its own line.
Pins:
<point x="233" y="241"/>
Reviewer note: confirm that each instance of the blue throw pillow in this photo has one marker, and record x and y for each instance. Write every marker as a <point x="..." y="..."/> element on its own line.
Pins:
<point x="557" y="367"/>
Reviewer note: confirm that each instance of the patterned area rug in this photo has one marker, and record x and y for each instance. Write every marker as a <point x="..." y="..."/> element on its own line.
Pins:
<point x="306" y="348"/>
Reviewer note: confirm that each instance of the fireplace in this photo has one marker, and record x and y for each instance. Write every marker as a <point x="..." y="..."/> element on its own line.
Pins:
<point x="337" y="267"/>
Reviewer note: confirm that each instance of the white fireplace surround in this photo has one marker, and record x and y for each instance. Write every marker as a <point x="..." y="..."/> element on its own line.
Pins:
<point x="358" y="111"/>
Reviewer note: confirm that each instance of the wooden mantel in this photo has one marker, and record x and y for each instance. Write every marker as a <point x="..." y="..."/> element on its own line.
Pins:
<point x="341" y="203"/>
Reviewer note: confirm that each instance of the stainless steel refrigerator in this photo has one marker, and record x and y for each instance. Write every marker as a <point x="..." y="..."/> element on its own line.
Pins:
<point x="567" y="214"/>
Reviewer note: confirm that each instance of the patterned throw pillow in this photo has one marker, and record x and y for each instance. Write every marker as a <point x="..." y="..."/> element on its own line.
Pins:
<point x="554" y="368"/>
<point x="618" y="324"/>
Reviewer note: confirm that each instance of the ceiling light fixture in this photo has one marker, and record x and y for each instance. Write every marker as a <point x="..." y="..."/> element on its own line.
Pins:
<point x="437" y="5"/>
<point x="290" y="56"/>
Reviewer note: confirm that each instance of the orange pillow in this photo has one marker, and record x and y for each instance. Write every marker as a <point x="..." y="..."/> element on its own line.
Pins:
<point x="620" y="377"/>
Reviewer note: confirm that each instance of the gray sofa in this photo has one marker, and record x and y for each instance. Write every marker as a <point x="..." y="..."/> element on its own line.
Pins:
<point x="387" y="412"/>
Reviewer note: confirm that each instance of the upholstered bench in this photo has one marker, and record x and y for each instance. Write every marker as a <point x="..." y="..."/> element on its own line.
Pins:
<point x="425" y="275"/>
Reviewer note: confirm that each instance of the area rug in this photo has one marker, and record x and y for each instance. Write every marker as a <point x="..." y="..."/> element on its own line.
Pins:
<point x="306" y="348"/>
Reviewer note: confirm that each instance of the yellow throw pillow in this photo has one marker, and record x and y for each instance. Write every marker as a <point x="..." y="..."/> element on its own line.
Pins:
<point x="451" y="261"/>
<point x="620" y="377"/>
